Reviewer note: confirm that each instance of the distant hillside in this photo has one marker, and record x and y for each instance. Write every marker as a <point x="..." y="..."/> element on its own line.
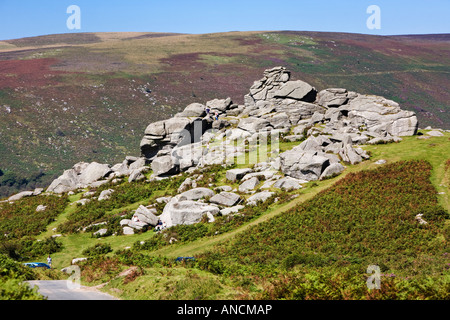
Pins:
<point x="89" y="96"/>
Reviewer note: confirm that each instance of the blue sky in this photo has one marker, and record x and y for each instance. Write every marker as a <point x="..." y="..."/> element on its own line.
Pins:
<point x="24" y="18"/>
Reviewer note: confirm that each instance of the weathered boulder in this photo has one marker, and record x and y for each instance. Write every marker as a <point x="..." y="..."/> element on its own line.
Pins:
<point x="145" y="215"/>
<point x="220" y="105"/>
<point x="187" y="156"/>
<point x="332" y="97"/>
<point x="193" y="110"/>
<point x="253" y="124"/>
<point x="105" y="194"/>
<point x="332" y="170"/>
<point x="185" y="212"/>
<point x="128" y="231"/>
<point x="305" y="165"/>
<point x="227" y="199"/>
<point x="249" y="184"/>
<point x="81" y="175"/>
<point x="435" y="133"/>
<point x="121" y="169"/>
<point x="20" y="195"/>
<point x="237" y="174"/>
<point x="287" y="183"/>
<point x="188" y="183"/>
<point x="278" y="120"/>
<point x="178" y="131"/>
<point x="195" y="194"/>
<point x="40" y="208"/>
<point x="237" y="134"/>
<point x="266" y="87"/>
<point x="66" y="182"/>
<point x="235" y="209"/>
<point x="259" y="197"/>
<point x="93" y="172"/>
<point x="348" y="154"/>
<point x="298" y="90"/>
<point x="156" y="129"/>
<point x="164" y="165"/>
<point x="137" y="174"/>
<point x="380" y="116"/>
<point x="100" y="232"/>
<point x="262" y="175"/>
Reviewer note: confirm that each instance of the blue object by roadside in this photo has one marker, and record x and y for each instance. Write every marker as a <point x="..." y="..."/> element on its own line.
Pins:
<point x="37" y="265"/>
<point x="184" y="259"/>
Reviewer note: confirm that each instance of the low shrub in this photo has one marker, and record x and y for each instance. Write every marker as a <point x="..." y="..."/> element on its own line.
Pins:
<point x="98" y="249"/>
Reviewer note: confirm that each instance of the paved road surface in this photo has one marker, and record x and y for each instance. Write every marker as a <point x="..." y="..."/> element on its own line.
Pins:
<point x="59" y="290"/>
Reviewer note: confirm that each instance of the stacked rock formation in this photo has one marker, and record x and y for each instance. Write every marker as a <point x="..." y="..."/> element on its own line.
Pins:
<point x="331" y="123"/>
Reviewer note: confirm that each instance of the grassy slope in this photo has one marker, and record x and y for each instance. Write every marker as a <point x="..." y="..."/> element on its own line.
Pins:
<point x="432" y="150"/>
<point x="57" y="86"/>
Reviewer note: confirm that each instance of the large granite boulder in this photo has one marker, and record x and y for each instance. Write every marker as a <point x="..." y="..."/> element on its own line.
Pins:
<point x="193" y="110"/>
<point x="297" y="90"/>
<point x="305" y="165"/>
<point x="146" y="215"/>
<point x="164" y="165"/>
<point x="237" y="174"/>
<point x="228" y="199"/>
<point x="380" y="116"/>
<point x="259" y="197"/>
<point x="196" y="194"/>
<point x="186" y="212"/>
<point x="332" y="97"/>
<point x="81" y="175"/>
<point x="253" y="124"/>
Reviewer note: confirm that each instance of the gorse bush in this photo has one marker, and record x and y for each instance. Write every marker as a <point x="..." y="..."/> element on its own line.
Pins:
<point x="98" y="250"/>
<point x="12" y="275"/>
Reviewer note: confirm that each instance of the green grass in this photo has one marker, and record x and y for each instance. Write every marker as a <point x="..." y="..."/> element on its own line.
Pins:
<point x="177" y="283"/>
<point x="366" y="218"/>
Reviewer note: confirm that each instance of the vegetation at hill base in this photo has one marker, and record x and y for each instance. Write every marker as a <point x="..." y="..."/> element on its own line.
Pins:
<point x="322" y="248"/>
<point x="313" y="243"/>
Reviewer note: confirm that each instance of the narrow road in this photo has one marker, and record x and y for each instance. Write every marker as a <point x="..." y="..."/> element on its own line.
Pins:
<point x="59" y="290"/>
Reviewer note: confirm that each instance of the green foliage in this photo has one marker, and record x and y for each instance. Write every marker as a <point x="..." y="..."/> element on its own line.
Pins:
<point x="350" y="284"/>
<point x="312" y="259"/>
<point x="98" y="249"/>
<point x="366" y="218"/>
<point x="14" y="289"/>
<point x="21" y="219"/>
<point x="140" y="259"/>
<point x="11" y="182"/>
<point x="12" y="275"/>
